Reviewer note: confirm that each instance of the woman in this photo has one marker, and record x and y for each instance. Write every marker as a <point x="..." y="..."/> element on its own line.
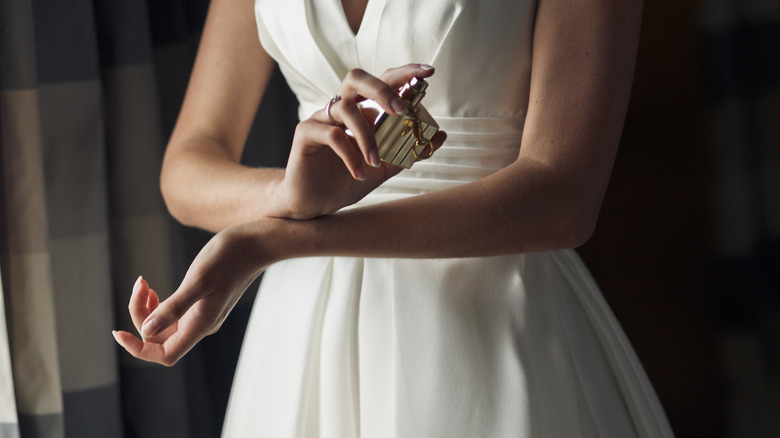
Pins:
<point x="444" y="301"/>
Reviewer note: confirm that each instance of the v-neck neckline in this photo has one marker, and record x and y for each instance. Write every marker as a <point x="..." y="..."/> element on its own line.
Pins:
<point x="332" y="34"/>
<point x="354" y="31"/>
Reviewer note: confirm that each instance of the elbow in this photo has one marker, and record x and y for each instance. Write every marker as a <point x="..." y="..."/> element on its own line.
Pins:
<point x="171" y="197"/>
<point x="569" y="229"/>
<point x="552" y="233"/>
<point x="580" y="224"/>
<point x="578" y="212"/>
<point x="578" y="232"/>
<point x="174" y="211"/>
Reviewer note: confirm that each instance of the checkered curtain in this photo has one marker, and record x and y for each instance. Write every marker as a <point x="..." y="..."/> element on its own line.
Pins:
<point x="89" y="91"/>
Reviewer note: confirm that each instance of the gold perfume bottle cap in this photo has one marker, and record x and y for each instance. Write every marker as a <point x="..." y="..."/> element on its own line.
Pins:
<point x="413" y="91"/>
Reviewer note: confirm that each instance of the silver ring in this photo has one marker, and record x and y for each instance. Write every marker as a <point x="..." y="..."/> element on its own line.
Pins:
<point x="335" y="99"/>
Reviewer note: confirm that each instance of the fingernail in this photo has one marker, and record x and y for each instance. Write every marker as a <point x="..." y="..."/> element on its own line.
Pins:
<point x="373" y="155"/>
<point x="360" y="175"/>
<point x="426" y="67"/>
<point x="151" y="327"/>
<point x="113" y="333"/>
<point x="399" y="106"/>
<point x="137" y="284"/>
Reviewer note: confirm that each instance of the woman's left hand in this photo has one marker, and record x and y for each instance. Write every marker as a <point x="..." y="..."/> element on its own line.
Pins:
<point x="218" y="276"/>
<point x="329" y="169"/>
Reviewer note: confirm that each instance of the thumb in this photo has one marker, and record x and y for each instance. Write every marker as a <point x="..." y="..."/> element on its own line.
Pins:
<point x="169" y="311"/>
<point x="397" y="76"/>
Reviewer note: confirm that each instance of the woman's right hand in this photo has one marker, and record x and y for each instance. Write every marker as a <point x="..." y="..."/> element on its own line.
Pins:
<point x="220" y="273"/>
<point x="327" y="168"/>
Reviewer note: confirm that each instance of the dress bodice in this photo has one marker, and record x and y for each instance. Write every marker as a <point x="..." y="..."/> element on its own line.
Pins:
<point x="517" y="345"/>
<point x="479" y="94"/>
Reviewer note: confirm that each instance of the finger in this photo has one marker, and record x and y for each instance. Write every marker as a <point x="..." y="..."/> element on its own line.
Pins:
<point x="359" y="85"/>
<point x="436" y="142"/>
<point x="148" y="351"/>
<point x="348" y="114"/>
<point x="137" y="306"/>
<point x="153" y="301"/>
<point x="137" y="348"/>
<point x="438" y="139"/>
<point x="398" y="76"/>
<point x="127" y="341"/>
<point x="169" y="344"/>
<point x="314" y="132"/>
<point x="171" y="310"/>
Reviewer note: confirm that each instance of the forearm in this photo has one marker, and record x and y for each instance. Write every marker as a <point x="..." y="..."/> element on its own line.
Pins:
<point x="550" y="197"/>
<point x="527" y="207"/>
<point x="202" y="181"/>
<point x="204" y="187"/>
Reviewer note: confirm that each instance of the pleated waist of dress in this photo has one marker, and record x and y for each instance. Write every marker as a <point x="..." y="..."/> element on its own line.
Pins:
<point x="475" y="148"/>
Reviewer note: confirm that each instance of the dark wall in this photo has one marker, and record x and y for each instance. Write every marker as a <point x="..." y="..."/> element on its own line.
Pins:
<point x="651" y="252"/>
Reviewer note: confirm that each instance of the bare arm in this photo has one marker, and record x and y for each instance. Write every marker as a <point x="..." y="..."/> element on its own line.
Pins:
<point x="202" y="181"/>
<point x="549" y="198"/>
<point x="583" y="62"/>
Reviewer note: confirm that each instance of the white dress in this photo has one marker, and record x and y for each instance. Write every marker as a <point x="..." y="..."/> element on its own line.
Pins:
<point x="512" y="346"/>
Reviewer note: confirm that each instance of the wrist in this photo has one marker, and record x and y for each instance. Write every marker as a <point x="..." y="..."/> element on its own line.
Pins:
<point x="274" y="200"/>
<point x="270" y="240"/>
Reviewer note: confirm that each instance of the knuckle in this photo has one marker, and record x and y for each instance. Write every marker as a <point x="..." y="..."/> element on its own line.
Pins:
<point x="352" y="111"/>
<point x="334" y="134"/>
<point x="214" y="328"/>
<point x="388" y="93"/>
<point x="174" y="308"/>
<point x="355" y="74"/>
<point x="301" y="127"/>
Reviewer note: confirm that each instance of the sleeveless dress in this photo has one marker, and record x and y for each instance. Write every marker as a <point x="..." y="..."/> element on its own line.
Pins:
<point x="511" y="346"/>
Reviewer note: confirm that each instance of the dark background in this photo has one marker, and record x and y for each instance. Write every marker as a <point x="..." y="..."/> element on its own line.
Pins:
<point x="686" y="251"/>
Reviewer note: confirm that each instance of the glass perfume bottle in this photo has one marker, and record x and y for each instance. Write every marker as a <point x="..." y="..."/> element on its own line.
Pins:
<point x="402" y="140"/>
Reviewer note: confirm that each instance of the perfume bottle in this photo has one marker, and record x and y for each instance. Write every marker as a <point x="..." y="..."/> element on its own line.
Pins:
<point x="402" y="140"/>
